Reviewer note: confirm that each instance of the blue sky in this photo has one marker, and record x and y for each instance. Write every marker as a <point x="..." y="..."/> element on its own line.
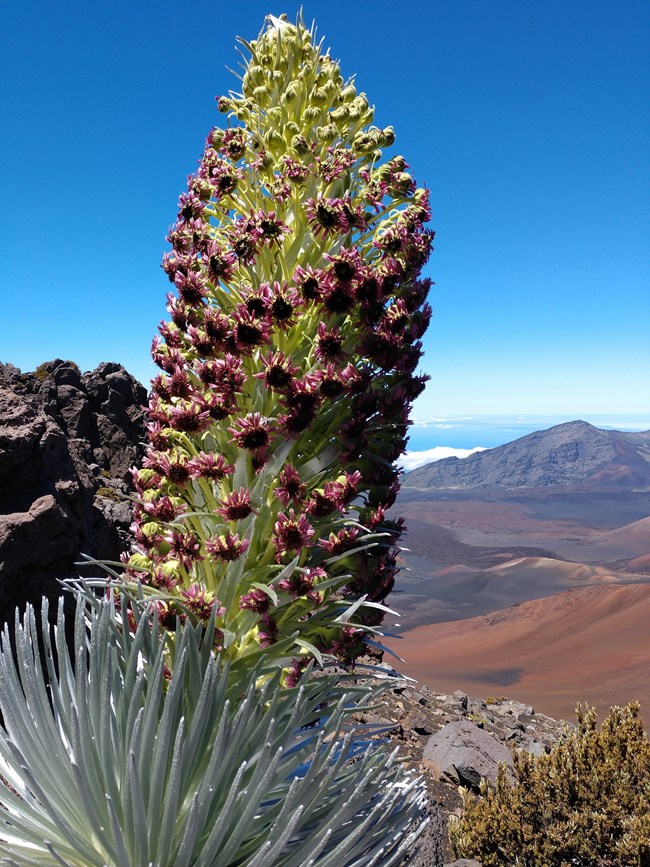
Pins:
<point x="528" y="121"/>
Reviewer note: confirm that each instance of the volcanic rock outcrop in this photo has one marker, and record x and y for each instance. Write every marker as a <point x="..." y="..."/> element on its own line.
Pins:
<point x="67" y="441"/>
<point x="575" y="454"/>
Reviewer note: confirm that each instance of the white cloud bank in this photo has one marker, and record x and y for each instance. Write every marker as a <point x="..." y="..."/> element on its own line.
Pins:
<point x="411" y="460"/>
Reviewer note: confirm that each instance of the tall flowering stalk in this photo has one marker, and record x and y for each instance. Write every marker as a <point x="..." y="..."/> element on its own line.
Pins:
<point x="288" y="365"/>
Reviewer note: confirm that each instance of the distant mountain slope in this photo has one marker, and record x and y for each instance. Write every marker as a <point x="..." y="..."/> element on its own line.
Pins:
<point x="575" y="454"/>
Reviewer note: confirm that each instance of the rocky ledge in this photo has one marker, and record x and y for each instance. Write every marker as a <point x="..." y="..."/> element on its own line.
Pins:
<point x="453" y="741"/>
<point x="67" y="442"/>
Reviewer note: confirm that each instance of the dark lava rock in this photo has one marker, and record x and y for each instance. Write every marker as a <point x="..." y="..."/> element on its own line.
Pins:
<point x="67" y="442"/>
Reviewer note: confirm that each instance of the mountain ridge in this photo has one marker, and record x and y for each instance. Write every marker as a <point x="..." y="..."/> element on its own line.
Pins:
<point x="573" y="455"/>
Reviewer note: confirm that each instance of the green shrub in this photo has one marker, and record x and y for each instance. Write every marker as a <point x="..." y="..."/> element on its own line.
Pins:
<point x="143" y="751"/>
<point x="587" y="803"/>
<point x="43" y="370"/>
<point x="108" y="493"/>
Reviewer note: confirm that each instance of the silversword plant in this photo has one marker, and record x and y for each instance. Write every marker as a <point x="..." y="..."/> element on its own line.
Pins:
<point x="147" y="752"/>
<point x="288" y="365"/>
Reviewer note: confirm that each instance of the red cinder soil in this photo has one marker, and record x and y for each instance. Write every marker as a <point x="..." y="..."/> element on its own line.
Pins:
<point x="590" y="644"/>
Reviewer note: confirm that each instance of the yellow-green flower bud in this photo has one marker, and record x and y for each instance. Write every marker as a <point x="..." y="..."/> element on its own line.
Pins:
<point x="300" y="144"/>
<point x="275" y="115"/>
<point x="403" y="181"/>
<point x="312" y="113"/>
<point x="262" y="96"/>
<point x="319" y="96"/>
<point x="387" y="137"/>
<point x="289" y="94"/>
<point x="326" y="133"/>
<point x="348" y="93"/>
<point x="364" y="143"/>
<point x="242" y="110"/>
<point x="291" y="129"/>
<point x="273" y="139"/>
<point x="139" y="563"/>
<point x="340" y="115"/>
<point x="306" y="70"/>
<point x="331" y="89"/>
<point x="170" y="569"/>
<point x="150" y="529"/>
<point x="145" y="476"/>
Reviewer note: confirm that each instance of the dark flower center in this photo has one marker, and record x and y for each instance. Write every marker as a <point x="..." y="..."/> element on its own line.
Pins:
<point x="256" y="306"/>
<point x="310" y="288"/>
<point x="187" y="421"/>
<point x="338" y="301"/>
<point x="226" y="184"/>
<point x="291" y="536"/>
<point x="281" y="309"/>
<point x="331" y="387"/>
<point x="178" y="474"/>
<point x="343" y="270"/>
<point x="243" y="248"/>
<point x="217" y="265"/>
<point x="327" y="217"/>
<point x="278" y="377"/>
<point x="248" y="334"/>
<point x="255" y="438"/>
<point x="270" y="228"/>
<point x="239" y="511"/>
<point x="330" y="346"/>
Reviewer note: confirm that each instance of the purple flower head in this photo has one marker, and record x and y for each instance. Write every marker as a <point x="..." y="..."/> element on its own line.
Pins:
<point x="228" y="547"/>
<point x="236" y="506"/>
<point x="162" y="509"/>
<point x="255" y="600"/>
<point x="190" y="207"/>
<point x="185" y="547"/>
<point x="326" y="216"/>
<point x="312" y="283"/>
<point x="278" y="372"/>
<point x="329" y="343"/>
<point x="220" y="263"/>
<point x="291" y="533"/>
<point x="290" y="487"/>
<point x="191" y="287"/>
<point x="189" y="417"/>
<point x="283" y="306"/>
<point x="200" y="603"/>
<point x="209" y="466"/>
<point x="233" y="143"/>
<point x="249" y="332"/>
<point x="252" y="432"/>
<point x="173" y="466"/>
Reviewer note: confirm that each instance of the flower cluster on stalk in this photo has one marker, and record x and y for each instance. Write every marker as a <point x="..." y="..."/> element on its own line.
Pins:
<point x="288" y="364"/>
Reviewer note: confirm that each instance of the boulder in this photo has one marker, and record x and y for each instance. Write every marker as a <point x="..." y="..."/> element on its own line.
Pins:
<point x="463" y="753"/>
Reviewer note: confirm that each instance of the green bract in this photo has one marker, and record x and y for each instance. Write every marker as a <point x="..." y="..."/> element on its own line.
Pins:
<point x="288" y="365"/>
<point x="131" y="763"/>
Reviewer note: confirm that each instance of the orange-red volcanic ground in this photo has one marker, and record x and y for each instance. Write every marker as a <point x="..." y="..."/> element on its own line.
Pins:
<point x="590" y="644"/>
